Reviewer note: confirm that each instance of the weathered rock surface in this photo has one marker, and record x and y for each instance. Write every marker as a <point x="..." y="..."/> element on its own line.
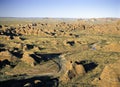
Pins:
<point x="110" y="77"/>
<point x="61" y="29"/>
<point x="27" y="59"/>
<point x="5" y="55"/>
<point x="79" y="69"/>
<point x="112" y="47"/>
<point x="72" y="70"/>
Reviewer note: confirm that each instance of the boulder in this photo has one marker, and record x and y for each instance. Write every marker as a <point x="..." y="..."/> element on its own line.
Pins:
<point x="37" y="81"/>
<point x="27" y="85"/>
<point x="79" y="69"/>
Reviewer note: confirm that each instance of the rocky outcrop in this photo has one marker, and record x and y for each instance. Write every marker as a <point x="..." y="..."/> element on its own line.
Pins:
<point x="110" y="76"/>
<point x="59" y="29"/>
<point x="28" y="59"/>
<point x="5" y="55"/>
<point x="72" y="70"/>
<point x="79" y="69"/>
<point x="67" y="67"/>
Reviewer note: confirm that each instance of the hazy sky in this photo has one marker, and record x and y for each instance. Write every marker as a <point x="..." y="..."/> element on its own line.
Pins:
<point x="60" y="8"/>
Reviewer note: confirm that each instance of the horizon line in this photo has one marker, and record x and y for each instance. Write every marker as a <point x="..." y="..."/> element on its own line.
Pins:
<point x="65" y="17"/>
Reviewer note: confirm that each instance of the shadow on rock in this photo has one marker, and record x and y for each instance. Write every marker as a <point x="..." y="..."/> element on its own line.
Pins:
<point x="44" y="57"/>
<point x="88" y="65"/>
<point x="17" y="53"/>
<point x="4" y="63"/>
<point x="43" y="81"/>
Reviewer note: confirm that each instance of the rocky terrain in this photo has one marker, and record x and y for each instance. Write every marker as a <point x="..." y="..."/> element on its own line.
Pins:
<point x="49" y="52"/>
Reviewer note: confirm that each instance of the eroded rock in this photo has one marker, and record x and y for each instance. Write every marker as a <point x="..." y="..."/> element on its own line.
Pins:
<point x="5" y="55"/>
<point x="72" y="70"/>
<point x="110" y="76"/>
<point x="79" y="69"/>
<point x="28" y="59"/>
